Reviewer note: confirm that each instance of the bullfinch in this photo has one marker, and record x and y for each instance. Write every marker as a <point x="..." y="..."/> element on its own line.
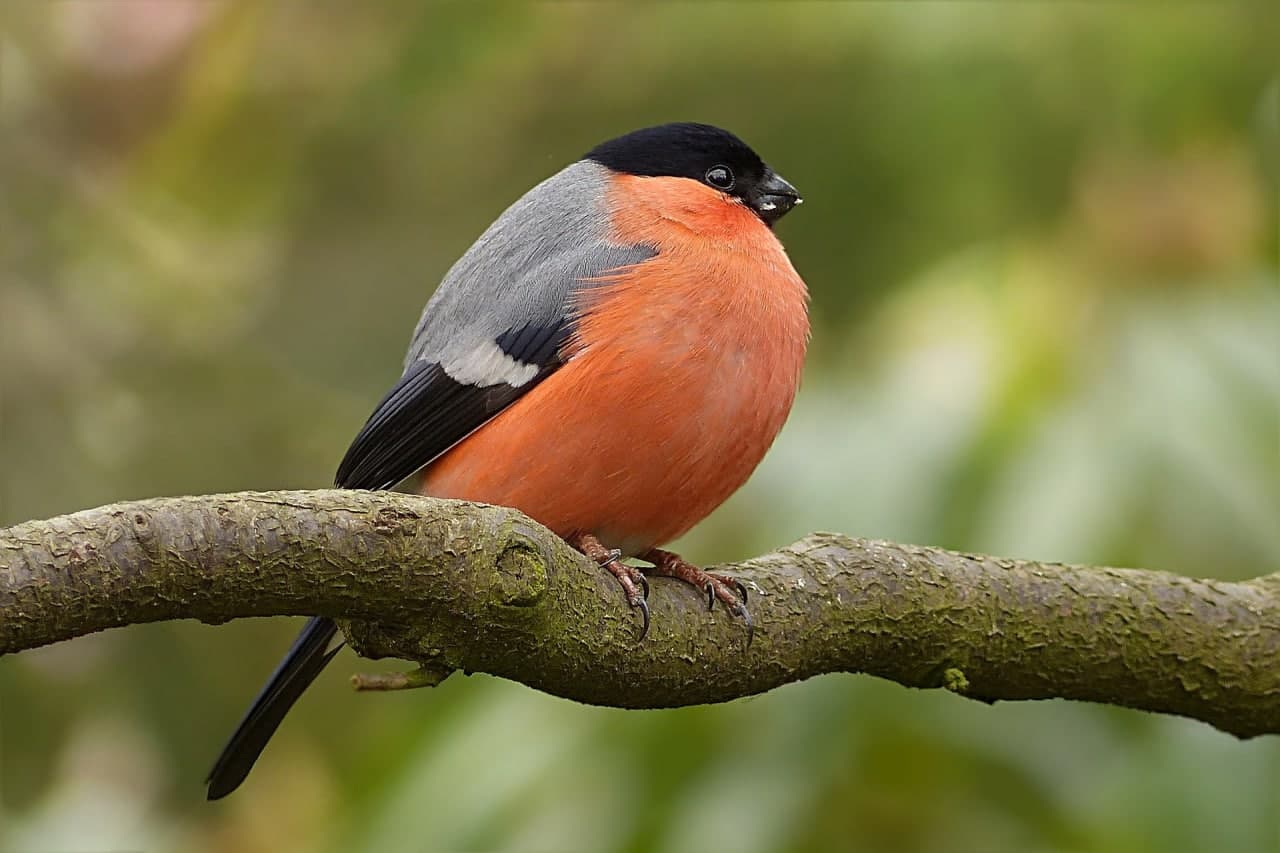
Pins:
<point x="613" y="357"/>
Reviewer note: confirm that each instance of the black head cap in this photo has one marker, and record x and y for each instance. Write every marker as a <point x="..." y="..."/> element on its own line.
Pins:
<point x="705" y="154"/>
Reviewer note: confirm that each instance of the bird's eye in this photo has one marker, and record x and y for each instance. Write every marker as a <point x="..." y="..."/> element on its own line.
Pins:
<point x="720" y="177"/>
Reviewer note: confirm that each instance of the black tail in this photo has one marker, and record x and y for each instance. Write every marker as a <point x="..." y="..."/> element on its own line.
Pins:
<point x="307" y="656"/>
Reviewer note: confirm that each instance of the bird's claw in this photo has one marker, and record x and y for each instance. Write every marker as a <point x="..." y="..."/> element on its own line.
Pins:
<point x="718" y="586"/>
<point x="740" y="609"/>
<point x="711" y="589"/>
<point x="644" y="614"/>
<point x="636" y="587"/>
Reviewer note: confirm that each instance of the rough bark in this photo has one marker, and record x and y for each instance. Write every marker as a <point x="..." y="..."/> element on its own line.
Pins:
<point x="457" y="586"/>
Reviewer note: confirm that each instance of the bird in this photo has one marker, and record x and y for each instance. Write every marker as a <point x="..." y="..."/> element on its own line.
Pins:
<point x="613" y="356"/>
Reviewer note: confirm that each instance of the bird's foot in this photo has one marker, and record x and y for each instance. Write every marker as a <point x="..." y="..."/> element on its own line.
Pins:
<point x="729" y="591"/>
<point x="634" y="583"/>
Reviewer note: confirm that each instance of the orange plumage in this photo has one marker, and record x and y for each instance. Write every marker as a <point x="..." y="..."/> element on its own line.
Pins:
<point x="683" y="370"/>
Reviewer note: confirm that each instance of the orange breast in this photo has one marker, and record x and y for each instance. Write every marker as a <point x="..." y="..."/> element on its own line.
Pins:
<point x="682" y="373"/>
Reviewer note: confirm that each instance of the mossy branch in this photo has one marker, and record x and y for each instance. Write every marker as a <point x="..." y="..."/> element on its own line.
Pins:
<point x="457" y="586"/>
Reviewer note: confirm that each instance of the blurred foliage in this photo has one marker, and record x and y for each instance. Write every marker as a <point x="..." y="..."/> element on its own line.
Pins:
<point x="1042" y="245"/>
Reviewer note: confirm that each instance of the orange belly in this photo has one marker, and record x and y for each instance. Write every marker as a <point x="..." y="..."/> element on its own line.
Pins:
<point x="681" y="374"/>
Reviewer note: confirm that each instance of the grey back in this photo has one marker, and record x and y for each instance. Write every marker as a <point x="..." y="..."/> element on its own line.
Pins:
<point x="524" y="269"/>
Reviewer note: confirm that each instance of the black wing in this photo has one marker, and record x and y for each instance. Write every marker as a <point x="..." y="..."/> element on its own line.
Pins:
<point x="428" y="411"/>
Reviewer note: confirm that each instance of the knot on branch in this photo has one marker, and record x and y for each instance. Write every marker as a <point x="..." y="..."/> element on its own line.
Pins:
<point x="520" y="579"/>
<point x="498" y="578"/>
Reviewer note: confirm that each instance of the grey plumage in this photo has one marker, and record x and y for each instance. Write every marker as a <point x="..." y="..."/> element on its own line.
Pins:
<point x="522" y="271"/>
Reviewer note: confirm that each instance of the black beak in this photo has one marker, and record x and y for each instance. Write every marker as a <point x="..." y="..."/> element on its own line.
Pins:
<point x="774" y="197"/>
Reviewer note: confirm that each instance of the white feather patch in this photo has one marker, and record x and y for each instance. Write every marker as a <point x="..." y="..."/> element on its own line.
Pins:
<point x="486" y="364"/>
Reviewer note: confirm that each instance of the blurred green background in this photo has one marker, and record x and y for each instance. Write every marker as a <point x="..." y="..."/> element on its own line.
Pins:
<point x="1042" y="246"/>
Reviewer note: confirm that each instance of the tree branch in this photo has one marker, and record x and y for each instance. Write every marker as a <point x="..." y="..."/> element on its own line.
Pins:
<point x="458" y="586"/>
